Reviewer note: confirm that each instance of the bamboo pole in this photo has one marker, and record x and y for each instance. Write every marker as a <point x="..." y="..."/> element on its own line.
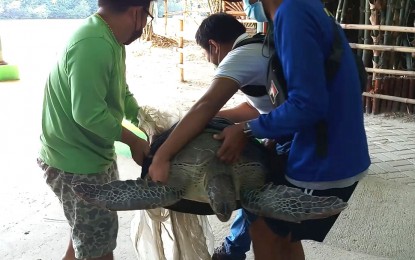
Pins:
<point x="408" y="56"/>
<point x="386" y="81"/>
<point x="389" y="92"/>
<point x="382" y="47"/>
<point x="180" y="47"/>
<point x="360" y="36"/>
<point x="392" y="72"/>
<point x="387" y="97"/>
<point x="387" y="39"/>
<point x="404" y="94"/>
<point x="2" y="62"/>
<point x="395" y="58"/>
<point x="375" y="101"/>
<point x="344" y="9"/>
<point x="367" y="100"/>
<point x="367" y="56"/>
<point x="375" y="19"/>
<point x="166" y="12"/>
<point x="339" y="10"/>
<point x="397" y="93"/>
<point x="411" y="91"/>
<point x="379" y="27"/>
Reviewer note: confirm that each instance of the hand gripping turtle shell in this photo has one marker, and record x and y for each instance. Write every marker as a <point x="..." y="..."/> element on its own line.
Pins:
<point x="199" y="183"/>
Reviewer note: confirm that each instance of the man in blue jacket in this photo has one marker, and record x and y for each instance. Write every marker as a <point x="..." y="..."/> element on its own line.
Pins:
<point x="303" y="35"/>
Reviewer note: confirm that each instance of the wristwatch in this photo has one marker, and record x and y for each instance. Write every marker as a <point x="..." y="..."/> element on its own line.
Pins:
<point x="247" y="130"/>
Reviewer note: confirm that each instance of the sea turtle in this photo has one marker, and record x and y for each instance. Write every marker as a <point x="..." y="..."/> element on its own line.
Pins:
<point x="200" y="183"/>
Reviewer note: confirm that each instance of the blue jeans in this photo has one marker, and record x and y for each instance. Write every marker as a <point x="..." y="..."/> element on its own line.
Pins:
<point x="239" y="241"/>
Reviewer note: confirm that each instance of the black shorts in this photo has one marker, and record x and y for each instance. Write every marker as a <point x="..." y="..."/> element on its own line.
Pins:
<point x="316" y="229"/>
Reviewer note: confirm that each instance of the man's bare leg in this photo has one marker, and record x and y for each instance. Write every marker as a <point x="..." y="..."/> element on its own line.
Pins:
<point x="290" y="250"/>
<point x="109" y="256"/>
<point x="70" y="252"/>
<point x="264" y="241"/>
<point x="268" y="246"/>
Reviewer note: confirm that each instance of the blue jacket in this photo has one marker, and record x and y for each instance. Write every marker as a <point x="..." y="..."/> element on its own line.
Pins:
<point x="303" y="35"/>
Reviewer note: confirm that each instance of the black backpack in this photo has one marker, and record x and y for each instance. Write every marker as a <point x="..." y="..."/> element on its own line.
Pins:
<point x="276" y="86"/>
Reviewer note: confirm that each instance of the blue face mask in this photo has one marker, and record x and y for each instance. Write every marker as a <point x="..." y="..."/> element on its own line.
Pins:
<point x="255" y="11"/>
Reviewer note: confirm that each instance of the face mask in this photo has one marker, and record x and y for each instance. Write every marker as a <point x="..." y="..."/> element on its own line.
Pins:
<point x="134" y="36"/>
<point x="255" y="11"/>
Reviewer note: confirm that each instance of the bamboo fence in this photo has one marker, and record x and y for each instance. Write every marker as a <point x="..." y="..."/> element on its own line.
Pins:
<point x="382" y="34"/>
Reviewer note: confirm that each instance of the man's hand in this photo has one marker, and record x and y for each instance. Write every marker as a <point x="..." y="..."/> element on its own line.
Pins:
<point x="159" y="170"/>
<point x="269" y="144"/>
<point x="139" y="150"/>
<point x="234" y="141"/>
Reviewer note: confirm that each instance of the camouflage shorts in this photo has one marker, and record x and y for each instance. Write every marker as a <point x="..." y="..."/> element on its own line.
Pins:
<point x="93" y="229"/>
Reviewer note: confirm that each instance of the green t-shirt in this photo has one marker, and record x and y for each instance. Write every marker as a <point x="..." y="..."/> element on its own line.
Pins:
<point x="85" y="100"/>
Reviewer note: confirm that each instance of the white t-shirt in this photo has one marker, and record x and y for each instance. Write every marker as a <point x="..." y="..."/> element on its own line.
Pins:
<point x="247" y="65"/>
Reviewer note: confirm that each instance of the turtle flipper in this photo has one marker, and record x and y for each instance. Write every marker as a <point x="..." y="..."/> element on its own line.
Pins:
<point x="290" y="204"/>
<point x="128" y="195"/>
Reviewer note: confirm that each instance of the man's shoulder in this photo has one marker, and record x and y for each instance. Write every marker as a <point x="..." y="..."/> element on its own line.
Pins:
<point x="90" y="30"/>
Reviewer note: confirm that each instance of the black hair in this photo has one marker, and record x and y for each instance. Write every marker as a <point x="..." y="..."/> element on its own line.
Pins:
<point x="221" y="27"/>
<point x="120" y="6"/>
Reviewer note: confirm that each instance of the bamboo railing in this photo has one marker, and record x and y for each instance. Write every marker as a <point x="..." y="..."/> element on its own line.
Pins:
<point x="382" y="33"/>
<point x="379" y="87"/>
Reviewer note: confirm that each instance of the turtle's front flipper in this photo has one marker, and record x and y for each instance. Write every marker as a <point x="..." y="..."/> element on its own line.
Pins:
<point x="128" y="195"/>
<point x="289" y="204"/>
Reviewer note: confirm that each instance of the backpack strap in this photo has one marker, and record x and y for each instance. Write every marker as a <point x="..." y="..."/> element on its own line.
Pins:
<point x="253" y="90"/>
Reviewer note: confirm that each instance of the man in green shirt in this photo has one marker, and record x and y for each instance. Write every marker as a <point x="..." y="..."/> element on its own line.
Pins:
<point x="86" y="98"/>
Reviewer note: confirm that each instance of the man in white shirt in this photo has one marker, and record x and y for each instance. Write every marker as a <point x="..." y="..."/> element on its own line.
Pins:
<point x="242" y="68"/>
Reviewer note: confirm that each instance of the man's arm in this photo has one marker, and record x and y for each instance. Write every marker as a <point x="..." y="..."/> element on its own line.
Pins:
<point x="131" y="107"/>
<point x="240" y="113"/>
<point x="139" y="147"/>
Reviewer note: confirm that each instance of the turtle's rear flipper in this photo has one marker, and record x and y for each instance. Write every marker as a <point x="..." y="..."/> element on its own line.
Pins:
<point x="128" y="195"/>
<point x="290" y="204"/>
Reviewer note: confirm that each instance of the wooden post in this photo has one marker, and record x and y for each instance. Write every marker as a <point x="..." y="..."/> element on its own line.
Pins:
<point x="180" y="49"/>
<point x="389" y="92"/>
<point x="2" y="62"/>
<point x="166" y="12"/>
<point x="375" y="101"/>
<point x="397" y="93"/>
<point x="383" y="90"/>
<point x="404" y="94"/>
<point x="368" y="100"/>
<point x="411" y="93"/>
